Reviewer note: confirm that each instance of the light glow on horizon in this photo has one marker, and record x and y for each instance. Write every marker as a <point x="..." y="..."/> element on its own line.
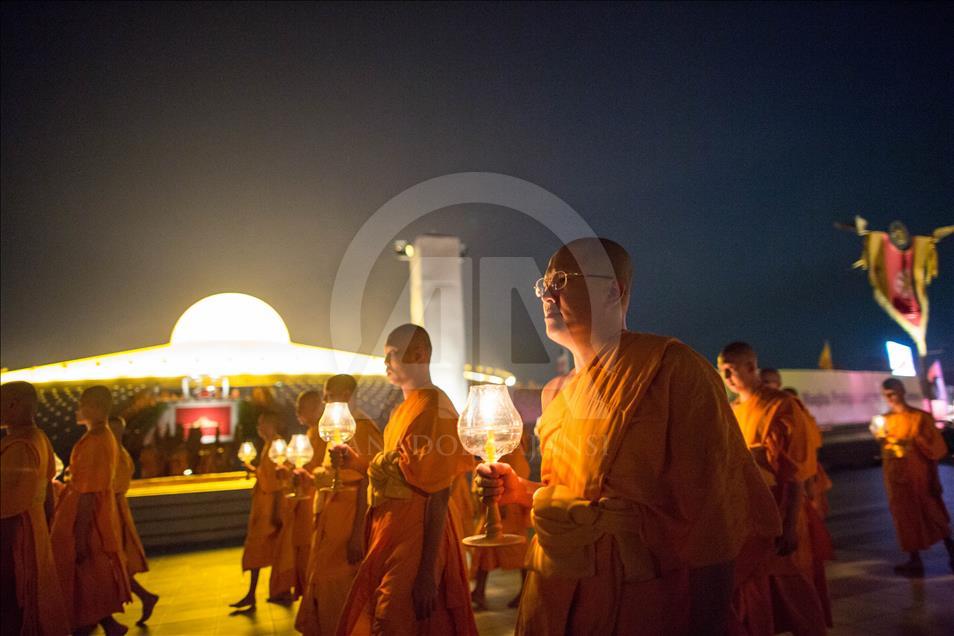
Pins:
<point x="259" y="346"/>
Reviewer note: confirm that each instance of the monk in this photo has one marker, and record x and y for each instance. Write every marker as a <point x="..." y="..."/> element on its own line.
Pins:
<point x="86" y="538"/>
<point x="910" y="448"/>
<point x="31" y="601"/>
<point x="131" y="543"/>
<point x="338" y="539"/>
<point x="648" y="492"/>
<point x="413" y="579"/>
<point x="778" y="432"/>
<point x="268" y="514"/>
<point x="293" y="574"/>
<point x="514" y="519"/>
<point x="816" y="509"/>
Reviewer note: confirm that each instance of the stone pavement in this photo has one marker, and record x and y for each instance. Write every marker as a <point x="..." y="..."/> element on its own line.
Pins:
<point x="869" y="599"/>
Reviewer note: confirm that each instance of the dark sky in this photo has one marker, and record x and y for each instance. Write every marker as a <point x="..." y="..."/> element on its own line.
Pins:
<point x="153" y="154"/>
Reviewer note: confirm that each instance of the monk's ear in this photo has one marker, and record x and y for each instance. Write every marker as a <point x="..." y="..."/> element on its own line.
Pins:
<point x="616" y="291"/>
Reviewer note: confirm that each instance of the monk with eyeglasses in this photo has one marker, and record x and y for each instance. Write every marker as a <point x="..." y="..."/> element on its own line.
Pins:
<point x="648" y="491"/>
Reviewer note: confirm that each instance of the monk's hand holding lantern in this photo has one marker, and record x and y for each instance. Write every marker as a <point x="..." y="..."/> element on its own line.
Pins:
<point x="490" y="427"/>
<point x="336" y="427"/>
<point x="299" y="453"/>
<point x="247" y="454"/>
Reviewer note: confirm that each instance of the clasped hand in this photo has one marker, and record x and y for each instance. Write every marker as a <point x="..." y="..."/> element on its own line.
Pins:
<point x="498" y="482"/>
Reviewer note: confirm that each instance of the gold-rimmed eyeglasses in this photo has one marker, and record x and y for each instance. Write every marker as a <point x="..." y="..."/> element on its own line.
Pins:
<point x="557" y="281"/>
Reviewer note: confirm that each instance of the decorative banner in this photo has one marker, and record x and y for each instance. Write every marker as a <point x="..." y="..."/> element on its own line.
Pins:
<point x="900" y="268"/>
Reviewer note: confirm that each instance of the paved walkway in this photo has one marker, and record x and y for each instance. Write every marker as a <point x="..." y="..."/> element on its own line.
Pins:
<point x="869" y="600"/>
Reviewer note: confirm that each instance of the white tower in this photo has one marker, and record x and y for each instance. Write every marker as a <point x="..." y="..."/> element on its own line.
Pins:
<point x="437" y="304"/>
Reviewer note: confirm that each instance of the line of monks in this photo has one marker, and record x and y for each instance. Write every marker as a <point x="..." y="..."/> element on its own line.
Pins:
<point x="70" y="552"/>
<point x="662" y="507"/>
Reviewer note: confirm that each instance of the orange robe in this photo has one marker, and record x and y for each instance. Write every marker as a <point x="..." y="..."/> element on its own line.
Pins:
<point x="514" y="519"/>
<point x="910" y="454"/>
<point x="132" y="544"/>
<point x="462" y="505"/>
<point x="26" y="468"/>
<point x="815" y="509"/>
<point x="269" y="513"/>
<point x="297" y="530"/>
<point x="329" y="573"/>
<point x="779" y="431"/>
<point x="422" y="455"/>
<point x="646" y="477"/>
<point x="98" y="586"/>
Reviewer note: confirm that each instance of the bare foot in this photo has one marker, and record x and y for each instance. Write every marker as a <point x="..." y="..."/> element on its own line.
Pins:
<point x="247" y="601"/>
<point x="112" y="627"/>
<point x="479" y="601"/>
<point x="148" y="604"/>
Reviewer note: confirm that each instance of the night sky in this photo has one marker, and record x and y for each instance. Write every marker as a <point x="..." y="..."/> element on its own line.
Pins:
<point x="155" y="154"/>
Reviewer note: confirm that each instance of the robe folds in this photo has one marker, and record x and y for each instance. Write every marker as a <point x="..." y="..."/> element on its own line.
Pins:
<point x="910" y="454"/>
<point x="269" y="513"/>
<point x="299" y="524"/>
<point x="131" y="543"/>
<point x="779" y="432"/>
<point x="329" y="574"/>
<point x="98" y="586"/>
<point x="514" y="519"/>
<point x="26" y="469"/>
<point x="645" y="477"/>
<point x="422" y="455"/>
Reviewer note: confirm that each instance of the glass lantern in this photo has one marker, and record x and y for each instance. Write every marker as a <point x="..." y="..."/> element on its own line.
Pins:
<point x="299" y="453"/>
<point x="336" y="426"/>
<point x="247" y="454"/>
<point x="490" y="427"/>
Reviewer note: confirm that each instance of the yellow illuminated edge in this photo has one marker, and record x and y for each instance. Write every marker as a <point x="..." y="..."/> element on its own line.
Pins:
<point x="222" y="359"/>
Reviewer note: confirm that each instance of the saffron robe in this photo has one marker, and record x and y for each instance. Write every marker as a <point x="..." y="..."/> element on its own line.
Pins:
<point x="132" y="545"/>
<point x="26" y="469"/>
<point x="641" y="451"/>
<point x="423" y="456"/>
<point x="269" y="513"/>
<point x="910" y="454"/>
<point x="514" y="519"/>
<point x="97" y="587"/>
<point x="778" y="430"/>
<point x="815" y="509"/>
<point x="329" y="573"/>
<point x="296" y="534"/>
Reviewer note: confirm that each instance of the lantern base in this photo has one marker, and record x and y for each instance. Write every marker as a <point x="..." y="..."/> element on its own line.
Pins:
<point x="483" y="541"/>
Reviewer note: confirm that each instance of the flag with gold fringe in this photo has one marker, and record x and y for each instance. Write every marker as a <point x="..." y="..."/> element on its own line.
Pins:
<point x="900" y="268"/>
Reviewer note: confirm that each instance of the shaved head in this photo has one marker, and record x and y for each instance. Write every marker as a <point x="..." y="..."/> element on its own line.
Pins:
<point x="19" y="403"/>
<point x="94" y="406"/>
<point x="739" y="367"/>
<point x="738" y="352"/>
<point x="308" y="398"/>
<point x="894" y="384"/>
<point x="21" y="391"/>
<point x="308" y="407"/>
<point x="771" y="377"/>
<point x="410" y="338"/>
<point x="592" y="255"/>
<point x="99" y="396"/>
<point x="340" y="388"/>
